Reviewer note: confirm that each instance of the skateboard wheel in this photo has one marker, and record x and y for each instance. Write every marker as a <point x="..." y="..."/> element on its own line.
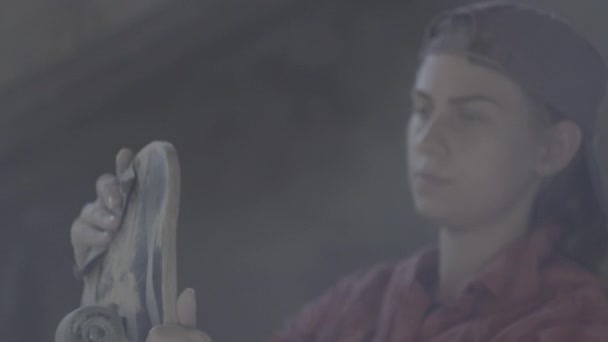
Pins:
<point x="91" y="324"/>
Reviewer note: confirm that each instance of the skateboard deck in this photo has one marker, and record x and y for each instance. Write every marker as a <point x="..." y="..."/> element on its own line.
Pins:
<point x="136" y="277"/>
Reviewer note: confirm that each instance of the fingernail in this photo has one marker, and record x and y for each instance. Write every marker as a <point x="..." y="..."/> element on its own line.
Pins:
<point x="153" y="331"/>
<point x="113" y="203"/>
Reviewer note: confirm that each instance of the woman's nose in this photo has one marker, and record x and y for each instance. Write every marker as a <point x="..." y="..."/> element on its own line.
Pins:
<point x="432" y="138"/>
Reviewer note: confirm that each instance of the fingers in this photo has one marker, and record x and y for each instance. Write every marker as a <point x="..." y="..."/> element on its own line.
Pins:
<point x="108" y="191"/>
<point x="186" y="308"/>
<point x="108" y="187"/>
<point x="123" y="160"/>
<point x="98" y="221"/>
<point x="166" y="333"/>
<point x="83" y="234"/>
<point x="94" y="228"/>
<point x="98" y="216"/>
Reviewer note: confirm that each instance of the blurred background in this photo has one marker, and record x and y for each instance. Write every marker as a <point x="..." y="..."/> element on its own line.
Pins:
<point x="288" y="117"/>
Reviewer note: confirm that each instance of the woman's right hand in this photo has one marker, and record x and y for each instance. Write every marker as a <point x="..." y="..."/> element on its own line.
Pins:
<point x="99" y="221"/>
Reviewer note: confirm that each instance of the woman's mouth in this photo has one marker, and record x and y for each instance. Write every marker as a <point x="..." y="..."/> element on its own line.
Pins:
<point x="425" y="178"/>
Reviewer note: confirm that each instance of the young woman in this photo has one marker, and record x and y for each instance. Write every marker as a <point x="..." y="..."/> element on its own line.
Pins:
<point x="501" y="159"/>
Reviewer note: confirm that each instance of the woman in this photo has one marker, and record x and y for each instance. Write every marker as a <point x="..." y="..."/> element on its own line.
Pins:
<point x="500" y="152"/>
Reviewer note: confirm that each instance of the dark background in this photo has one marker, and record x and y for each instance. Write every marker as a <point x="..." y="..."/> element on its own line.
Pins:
<point x="288" y="117"/>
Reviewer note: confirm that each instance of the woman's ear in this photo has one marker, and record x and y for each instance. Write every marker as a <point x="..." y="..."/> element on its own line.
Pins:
<point x="562" y="142"/>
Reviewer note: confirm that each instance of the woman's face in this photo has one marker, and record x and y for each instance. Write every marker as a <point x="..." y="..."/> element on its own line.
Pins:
<point x="472" y="150"/>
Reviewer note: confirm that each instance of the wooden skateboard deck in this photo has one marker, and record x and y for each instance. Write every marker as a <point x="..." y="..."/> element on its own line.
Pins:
<point x="136" y="277"/>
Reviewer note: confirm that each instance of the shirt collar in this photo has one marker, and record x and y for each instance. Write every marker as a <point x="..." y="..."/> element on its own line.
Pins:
<point x="514" y="274"/>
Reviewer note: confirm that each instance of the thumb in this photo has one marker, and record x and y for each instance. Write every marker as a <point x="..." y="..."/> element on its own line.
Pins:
<point x="186" y="308"/>
<point x="123" y="160"/>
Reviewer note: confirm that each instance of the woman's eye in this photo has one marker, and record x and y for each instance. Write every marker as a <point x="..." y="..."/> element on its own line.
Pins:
<point x="468" y="115"/>
<point x="421" y="112"/>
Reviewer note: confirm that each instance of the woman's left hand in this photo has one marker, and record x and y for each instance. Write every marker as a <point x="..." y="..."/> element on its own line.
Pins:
<point x="185" y="331"/>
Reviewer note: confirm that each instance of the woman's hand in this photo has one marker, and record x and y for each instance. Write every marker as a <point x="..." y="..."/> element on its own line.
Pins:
<point x="185" y="331"/>
<point x="99" y="220"/>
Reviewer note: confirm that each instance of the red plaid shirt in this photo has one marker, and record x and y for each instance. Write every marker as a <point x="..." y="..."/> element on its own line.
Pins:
<point x="528" y="293"/>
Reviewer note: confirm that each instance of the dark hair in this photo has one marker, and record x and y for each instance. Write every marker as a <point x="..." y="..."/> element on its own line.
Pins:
<point x="569" y="201"/>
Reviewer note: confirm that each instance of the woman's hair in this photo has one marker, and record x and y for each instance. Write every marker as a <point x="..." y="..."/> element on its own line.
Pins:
<point x="569" y="201"/>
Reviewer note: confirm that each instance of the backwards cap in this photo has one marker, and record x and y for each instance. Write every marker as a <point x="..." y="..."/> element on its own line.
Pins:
<point x="540" y="52"/>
